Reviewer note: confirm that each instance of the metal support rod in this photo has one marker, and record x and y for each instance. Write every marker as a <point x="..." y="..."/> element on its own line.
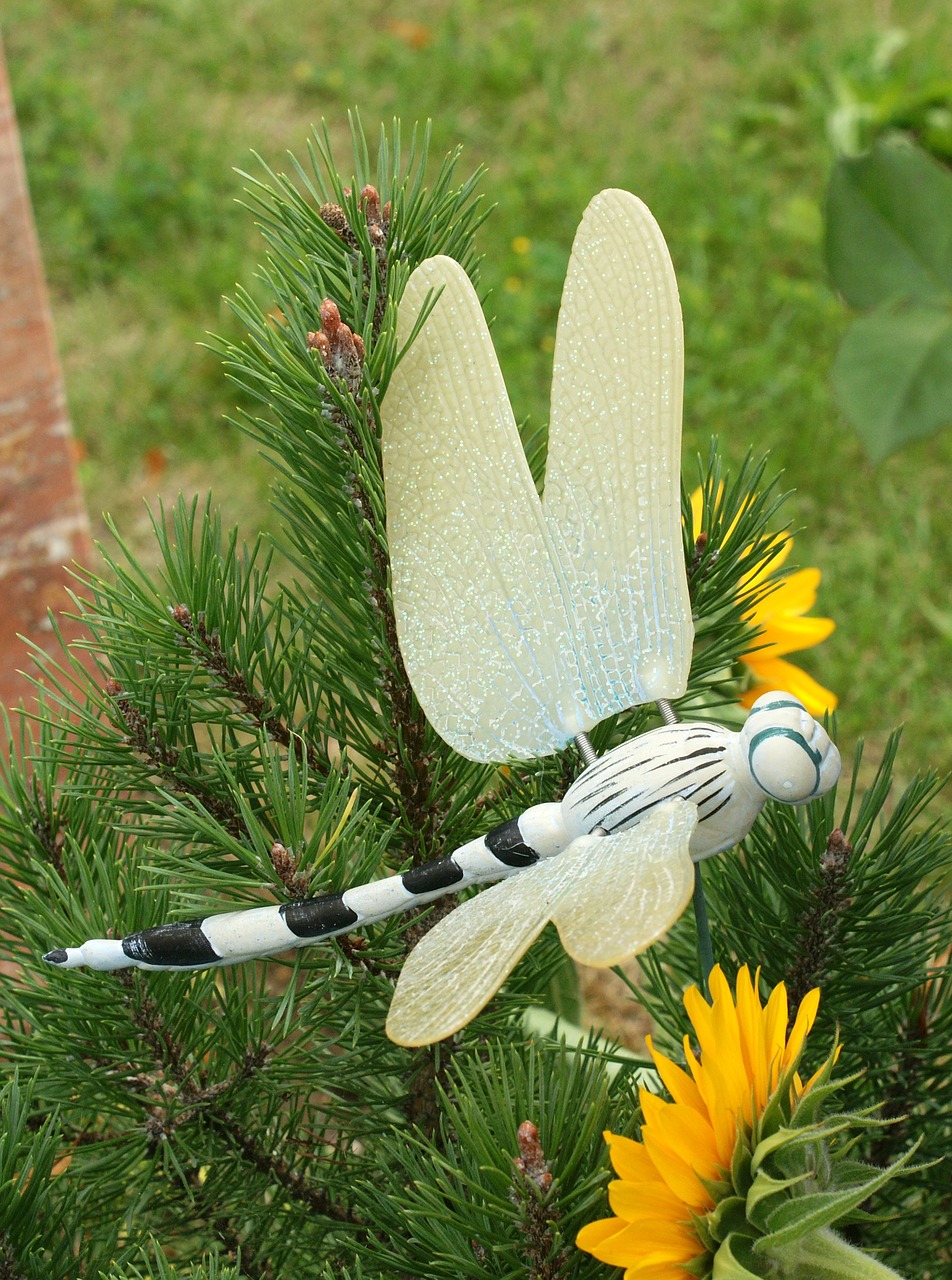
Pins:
<point x="668" y="714"/>
<point x="585" y="749"/>
<point x="705" y="948"/>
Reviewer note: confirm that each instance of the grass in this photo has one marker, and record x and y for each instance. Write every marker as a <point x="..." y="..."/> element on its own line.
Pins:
<point x="135" y="115"/>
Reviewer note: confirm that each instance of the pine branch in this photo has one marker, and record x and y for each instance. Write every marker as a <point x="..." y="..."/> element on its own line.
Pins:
<point x="208" y="649"/>
<point x="145" y="738"/>
<point x="822" y="923"/>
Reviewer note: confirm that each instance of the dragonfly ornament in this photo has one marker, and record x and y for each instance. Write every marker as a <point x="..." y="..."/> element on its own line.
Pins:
<point x="524" y="621"/>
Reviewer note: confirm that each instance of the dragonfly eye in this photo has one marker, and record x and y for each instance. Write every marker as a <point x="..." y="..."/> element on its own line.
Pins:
<point x="784" y="765"/>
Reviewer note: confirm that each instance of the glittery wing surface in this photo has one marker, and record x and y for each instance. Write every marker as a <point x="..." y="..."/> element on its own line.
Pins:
<point x="637" y="883"/>
<point x="481" y="603"/>
<point x="611" y="896"/>
<point x="456" y="968"/>
<point x="612" y="486"/>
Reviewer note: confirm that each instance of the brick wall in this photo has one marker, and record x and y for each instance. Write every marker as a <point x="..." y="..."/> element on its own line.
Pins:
<point x="43" y="523"/>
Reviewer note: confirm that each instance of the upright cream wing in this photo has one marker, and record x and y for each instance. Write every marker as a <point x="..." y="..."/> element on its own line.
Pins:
<point x="612" y="487"/>
<point x="482" y="606"/>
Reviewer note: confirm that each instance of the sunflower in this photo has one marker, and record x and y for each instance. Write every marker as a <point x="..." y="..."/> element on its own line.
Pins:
<point x="779" y="620"/>
<point x="700" y="1193"/>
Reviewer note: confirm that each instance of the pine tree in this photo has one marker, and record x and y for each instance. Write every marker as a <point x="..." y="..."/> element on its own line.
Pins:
<point x="233" y="735"/>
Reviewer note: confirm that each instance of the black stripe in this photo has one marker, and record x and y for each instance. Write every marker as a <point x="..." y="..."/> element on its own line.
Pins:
<point x="689" y="755"/>
<point x="649" y="765"/>
<point x="672" y="789"/>
<point x="318" y="917"/>
<point x="701" y="800"/>
<point x="625" y="794"/>
<point x="611" y="780"/>
<point x="181" y="945"/>
<point x="672" y="792"/>
<point x="705" y="816"/>
<point x="631" y="818"/>
<point x="432" y="876"/>
<point x="505" y="842"/>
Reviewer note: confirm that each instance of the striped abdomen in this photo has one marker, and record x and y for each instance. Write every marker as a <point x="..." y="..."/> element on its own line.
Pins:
<point x="263" y="931"/>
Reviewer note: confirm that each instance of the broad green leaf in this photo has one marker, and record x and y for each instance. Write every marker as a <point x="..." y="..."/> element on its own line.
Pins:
<point x="735" y="1260"/>
<point x="892" y="376"/>
<point x="802" y="1215"/>
<point x="889" y="226"/>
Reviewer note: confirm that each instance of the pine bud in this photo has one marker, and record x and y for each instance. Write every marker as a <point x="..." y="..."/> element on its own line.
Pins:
<point x="341" y="350"/>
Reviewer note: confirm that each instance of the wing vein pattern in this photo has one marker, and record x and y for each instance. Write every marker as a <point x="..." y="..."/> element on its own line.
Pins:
<point x="523" y="622"/>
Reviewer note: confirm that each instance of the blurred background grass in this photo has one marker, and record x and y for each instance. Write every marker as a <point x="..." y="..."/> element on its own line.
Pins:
<point x="134" y="117"/>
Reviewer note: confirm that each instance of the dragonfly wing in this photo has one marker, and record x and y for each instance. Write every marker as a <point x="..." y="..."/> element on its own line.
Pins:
<point x="635" y="885"/>
<point x="612" y="485"/>
<point x="456" y="968"/>
<point x="481" y="605"/>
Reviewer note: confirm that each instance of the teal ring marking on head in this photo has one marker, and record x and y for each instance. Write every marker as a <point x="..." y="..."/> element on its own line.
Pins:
<point x="794" y="736"/>
<point x="776" y="706"/>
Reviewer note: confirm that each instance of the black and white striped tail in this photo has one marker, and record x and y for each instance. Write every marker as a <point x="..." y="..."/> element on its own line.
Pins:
<point x="264" y="931"/>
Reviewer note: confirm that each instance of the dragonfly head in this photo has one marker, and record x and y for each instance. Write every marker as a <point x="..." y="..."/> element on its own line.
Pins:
<point x="790" y="755"/>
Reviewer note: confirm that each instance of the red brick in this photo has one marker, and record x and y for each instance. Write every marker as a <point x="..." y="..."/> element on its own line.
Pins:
<point x="43" y="522"/>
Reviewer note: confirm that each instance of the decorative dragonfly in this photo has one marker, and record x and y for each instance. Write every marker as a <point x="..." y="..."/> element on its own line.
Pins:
<point x="523" y="622"/>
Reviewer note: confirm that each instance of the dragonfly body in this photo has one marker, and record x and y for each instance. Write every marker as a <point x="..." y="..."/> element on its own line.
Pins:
<point x="523" y="621"/>
<point x="715" y="770"/>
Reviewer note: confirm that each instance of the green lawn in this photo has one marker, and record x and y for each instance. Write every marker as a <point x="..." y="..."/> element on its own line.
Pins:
<point x="135" y="115"/>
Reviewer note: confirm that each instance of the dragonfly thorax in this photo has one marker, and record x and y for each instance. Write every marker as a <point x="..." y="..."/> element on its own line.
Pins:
<point x="692" y="761"/>
<point x="781" y="753"/>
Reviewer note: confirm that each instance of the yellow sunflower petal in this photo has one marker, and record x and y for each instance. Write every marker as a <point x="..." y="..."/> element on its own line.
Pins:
<point x="775" y="1032"/>
<point x="775" y="673"/>
<point x="681" y="1145"/>
<point x="623" y="1244"/>
<point x="786" y="633"/>
<point x="677" y="1082"/>
<point x="697" y="512"/>
<point x="750" y="1016"/>
<point x="806" y="1016"/>
<point x="630" y="1246"/>
<point x="794" y="593"/>
<point x="718" y="1035"/>
<point x="648" y="1270"/>
<point x="652" y="1201"/>
<point x="629" y="1159"/>
<point x="716" y="1074"/>
<point x="713" y="1089"/>
<point x="700" y="1012"/>
<point x="593" y="1234"/>
<point x="731" y="1061"/>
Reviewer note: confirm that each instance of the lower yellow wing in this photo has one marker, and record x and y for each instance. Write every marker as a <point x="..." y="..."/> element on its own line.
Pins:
<point x="611" y="896"/>
<point x="636" y="885"/>
<point x="463" y="961"/>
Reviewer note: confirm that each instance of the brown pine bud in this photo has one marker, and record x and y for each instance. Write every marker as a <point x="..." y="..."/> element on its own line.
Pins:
<point x="531" y="1161"/>
<point x="334" y="217"/>
<point x="370" y="204"/>
<point x="341" y="350"/>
